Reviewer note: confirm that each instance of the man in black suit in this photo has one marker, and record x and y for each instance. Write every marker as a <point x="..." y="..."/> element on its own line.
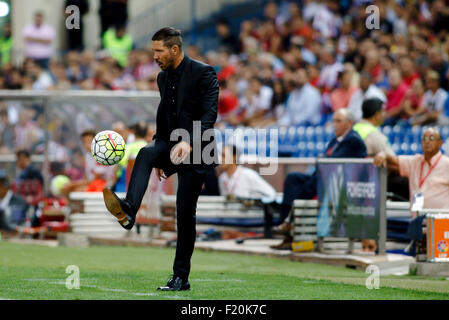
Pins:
<point x="185" y="117"/>
<point x="346" y="144"/>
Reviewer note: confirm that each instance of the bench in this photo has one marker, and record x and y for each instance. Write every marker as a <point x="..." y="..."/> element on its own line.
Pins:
<point x="218" y="211"/>
<point x="89" y="216"/>
<point x="305" y="217"/>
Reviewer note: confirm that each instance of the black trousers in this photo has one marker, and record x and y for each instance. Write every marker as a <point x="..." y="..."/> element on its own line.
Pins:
<point x="297" y="185"/>
<point x="157" y="155"/>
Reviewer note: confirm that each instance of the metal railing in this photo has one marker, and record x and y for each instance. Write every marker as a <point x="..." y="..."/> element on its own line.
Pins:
<point x="143" y="102"/>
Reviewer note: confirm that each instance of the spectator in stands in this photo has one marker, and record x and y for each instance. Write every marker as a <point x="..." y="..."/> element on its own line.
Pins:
<point x="413" y="100"/>
<point x="38" y="39"/>
<point x="239" y="182"/>
<point x="346" y="144"/>
<point x="13" y="209"/>
<point x="228" y="102"/>
<point x="6" y="45"/>
<point x="409" y="74"/>
<point x="303" y="106"/>
<point x="433" y="101"/>
<point x="367" y="128"/>
<point x="227" y="40"/>
<point x="341" y="96"/>
<point x="325" y="21"/>
<point x="118" y="43"/>
<point x="367" y="90"/>
<point x="41" y="78"/>
<point x="30" y="182"/>
<point x="395" y="95"/>
<point x="437" y="63"/>
<point x="329" y="71"/>
<point x="257" y="102"/>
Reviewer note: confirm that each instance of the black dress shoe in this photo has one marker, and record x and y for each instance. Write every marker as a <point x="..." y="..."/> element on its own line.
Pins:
<point x="175" y="284"/>
<point x="119" y="209"/>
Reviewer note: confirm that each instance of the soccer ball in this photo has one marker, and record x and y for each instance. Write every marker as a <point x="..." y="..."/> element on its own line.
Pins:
<point x="108" y="148"/>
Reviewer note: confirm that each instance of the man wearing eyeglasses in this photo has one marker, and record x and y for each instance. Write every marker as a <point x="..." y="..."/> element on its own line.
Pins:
<point x="428" y="173"/>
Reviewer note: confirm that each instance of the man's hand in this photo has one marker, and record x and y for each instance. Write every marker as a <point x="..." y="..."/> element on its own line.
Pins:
<point x="180" y="152"/>
<point x="160" y="174"/>
<point x="380" y="159"/>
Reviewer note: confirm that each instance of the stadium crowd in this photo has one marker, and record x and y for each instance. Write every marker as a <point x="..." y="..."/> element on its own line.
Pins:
<point x="297" y="66"/>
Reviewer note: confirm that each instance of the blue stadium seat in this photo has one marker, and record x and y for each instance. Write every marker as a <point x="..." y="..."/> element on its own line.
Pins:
<point x="398" y="133"/>
<point x="320" y="134"/>
<point x="404" y="148"/>
<point x="310" y="134"/>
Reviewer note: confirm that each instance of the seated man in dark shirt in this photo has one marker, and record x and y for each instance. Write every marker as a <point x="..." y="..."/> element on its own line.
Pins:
<point x="13" y="209"/>
<point x="346" y="144"/>
<point x="30" y="181"/>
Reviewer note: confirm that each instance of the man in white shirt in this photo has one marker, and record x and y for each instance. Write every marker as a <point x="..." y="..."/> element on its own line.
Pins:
<point x="303" y="106"/>
<point x="43" y="79"/>
<point x="240" y="182"/>
<point x="257" y="101"/>
<point x="329" y="73"/>
<point x="38" y="40"/>
<point x="367" y="91"/>
<point x="433" y="101"/>
<point x="325" y="21"/>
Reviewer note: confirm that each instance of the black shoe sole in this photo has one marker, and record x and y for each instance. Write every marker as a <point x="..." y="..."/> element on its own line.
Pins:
<point x="114" y="207"/>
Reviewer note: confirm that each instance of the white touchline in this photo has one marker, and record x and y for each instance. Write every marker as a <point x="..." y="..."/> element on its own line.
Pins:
<point x="123" y="290"/>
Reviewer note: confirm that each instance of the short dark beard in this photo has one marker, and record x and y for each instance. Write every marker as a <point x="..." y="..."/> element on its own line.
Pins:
<point x="171" y="65"/>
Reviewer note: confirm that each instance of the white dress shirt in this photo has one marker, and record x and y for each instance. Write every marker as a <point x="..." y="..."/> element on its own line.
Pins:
<point x="355" y="104"/>
<point x="245" y="183"/>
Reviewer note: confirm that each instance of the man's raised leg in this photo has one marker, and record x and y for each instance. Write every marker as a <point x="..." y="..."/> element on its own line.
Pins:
<point x="125" y="210"/>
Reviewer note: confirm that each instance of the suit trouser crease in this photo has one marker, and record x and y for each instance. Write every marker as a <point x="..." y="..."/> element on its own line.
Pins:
<point x="157" y="155"/>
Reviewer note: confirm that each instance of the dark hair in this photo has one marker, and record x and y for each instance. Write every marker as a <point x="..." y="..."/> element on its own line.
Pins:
<point x="256" y="78"/>
<point x="141" y="129"/>
<point x="370" y="107"/>
<point x="4" y="181"/>
<point x="87" y="133"/>
<point x="23" y="152"/>
<point x="170" y="36"/>
<point x="223" y="21"/>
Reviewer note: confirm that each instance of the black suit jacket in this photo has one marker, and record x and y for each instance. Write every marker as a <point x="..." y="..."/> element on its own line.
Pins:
<point x="352" y="146"/>
<point x="197" y="100"/>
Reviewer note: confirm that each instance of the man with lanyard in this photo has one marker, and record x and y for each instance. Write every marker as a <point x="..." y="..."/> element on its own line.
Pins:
<point x="428" y="174"/>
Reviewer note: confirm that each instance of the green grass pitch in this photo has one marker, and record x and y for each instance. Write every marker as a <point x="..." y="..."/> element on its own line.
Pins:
<point x="38" y="272"/>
